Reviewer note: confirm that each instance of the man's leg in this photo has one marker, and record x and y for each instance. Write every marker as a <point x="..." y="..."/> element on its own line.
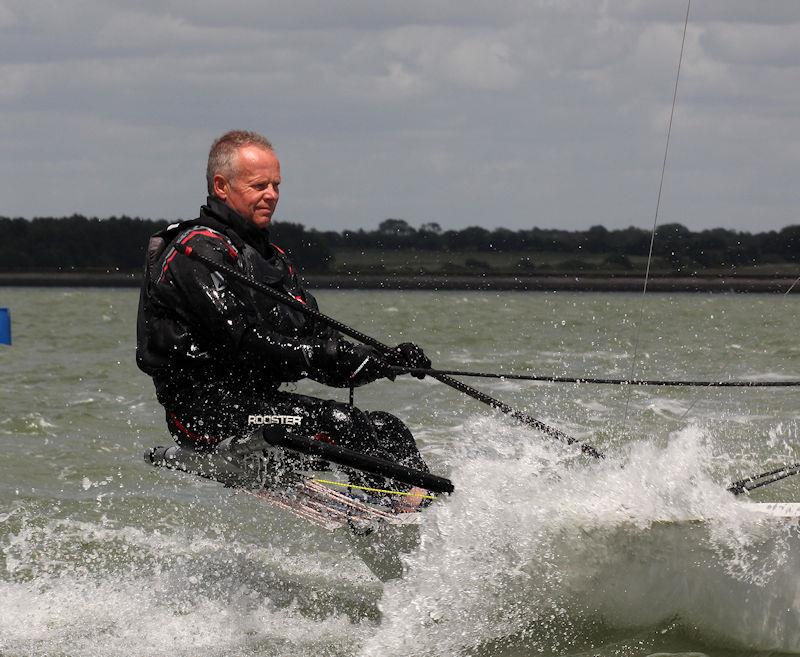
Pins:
<point x="206" y="420"/>
<point x="203" y="418"/>
<point x="395" y="438"/>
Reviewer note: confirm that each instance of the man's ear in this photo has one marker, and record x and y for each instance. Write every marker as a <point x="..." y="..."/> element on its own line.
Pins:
<point x="220" y="187"/>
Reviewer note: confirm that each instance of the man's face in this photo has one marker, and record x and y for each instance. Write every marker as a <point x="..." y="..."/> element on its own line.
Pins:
<point x="253" y="189"/>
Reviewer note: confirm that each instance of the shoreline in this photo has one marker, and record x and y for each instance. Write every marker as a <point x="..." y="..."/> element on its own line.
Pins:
<point x="551" y="283"/>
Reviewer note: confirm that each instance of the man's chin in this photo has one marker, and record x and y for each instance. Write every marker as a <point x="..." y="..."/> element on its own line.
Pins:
<point x="261" y="221"/>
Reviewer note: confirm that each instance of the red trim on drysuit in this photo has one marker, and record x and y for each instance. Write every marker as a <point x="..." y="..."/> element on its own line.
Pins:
<point x="232" y="252"/>
<point x="176" y="425"/>
<point x="288" y="264"/>
<point x="297" y="297"/>
<point x="323" y="438"/>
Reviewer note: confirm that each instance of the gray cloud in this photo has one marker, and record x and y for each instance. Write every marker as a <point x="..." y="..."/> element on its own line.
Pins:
<point x="512" y="114"/>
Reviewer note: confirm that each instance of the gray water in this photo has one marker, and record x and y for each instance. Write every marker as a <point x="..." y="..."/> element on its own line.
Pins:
<point x="539" y="552"/>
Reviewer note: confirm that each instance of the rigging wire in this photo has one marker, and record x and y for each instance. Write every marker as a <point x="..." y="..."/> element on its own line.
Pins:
<point x="637" y="332"/>
<point x="754" y="481"/>
<point x="791" y="287"/>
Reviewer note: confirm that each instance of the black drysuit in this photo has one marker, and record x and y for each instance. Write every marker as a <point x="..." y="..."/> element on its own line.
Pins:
<point x="218" y="350"/>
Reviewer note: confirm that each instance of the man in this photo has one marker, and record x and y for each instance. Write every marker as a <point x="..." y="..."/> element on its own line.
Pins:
<point x="218" y="350"/>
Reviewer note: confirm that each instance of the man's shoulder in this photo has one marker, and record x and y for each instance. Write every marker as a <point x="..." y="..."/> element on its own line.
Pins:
<point x="206" y="239"/>
<point x="189" y="230"/>
<point x="178" y="230"/>
<point x="199" y="230"/>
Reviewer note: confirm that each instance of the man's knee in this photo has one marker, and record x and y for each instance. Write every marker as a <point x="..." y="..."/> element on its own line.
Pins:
<point x="193" y="433"/>
<point x="396" y="438"/>
<point x="387" y="423"/>
<point x="341" y="419"/>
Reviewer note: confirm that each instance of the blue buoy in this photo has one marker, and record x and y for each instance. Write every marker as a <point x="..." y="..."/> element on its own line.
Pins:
<point x="5" y="326"/>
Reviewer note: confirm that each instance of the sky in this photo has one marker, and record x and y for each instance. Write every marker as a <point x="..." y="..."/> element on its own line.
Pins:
<point x="522" y="113"/>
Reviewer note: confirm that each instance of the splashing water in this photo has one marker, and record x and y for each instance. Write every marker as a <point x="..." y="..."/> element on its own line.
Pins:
<point x="536" y="550"/>
<point x="540" y="551"/>
<point x="80" y="588"/>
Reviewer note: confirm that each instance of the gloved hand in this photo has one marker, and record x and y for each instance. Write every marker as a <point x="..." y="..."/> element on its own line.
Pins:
<point x="362" y="364"/>
<point x="408" y="355"/>
<point x="356" y="364"/>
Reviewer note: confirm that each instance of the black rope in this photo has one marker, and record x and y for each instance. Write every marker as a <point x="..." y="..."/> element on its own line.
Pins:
<point x="372" y="342"/>
<point x="360" y="461"/>
<point x="605" y="381"/>
<point x="764" y="479"/>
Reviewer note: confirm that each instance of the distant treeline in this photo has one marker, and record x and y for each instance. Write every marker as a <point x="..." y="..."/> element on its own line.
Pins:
<point x="83" y="243"/>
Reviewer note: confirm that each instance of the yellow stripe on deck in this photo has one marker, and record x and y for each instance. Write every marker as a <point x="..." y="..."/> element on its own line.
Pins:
<point x="373" y="490"/>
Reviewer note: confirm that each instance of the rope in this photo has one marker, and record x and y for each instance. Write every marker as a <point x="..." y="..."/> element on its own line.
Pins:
<point x="384" y="349"/>
<point x="764" y="479"/>
<point x="603" y="381"/>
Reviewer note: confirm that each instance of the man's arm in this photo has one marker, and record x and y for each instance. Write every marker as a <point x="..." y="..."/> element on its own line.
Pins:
<point x="221" y="313"/>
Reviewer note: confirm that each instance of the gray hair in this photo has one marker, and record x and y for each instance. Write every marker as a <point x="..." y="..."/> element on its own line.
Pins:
<point x="223" y="150"/>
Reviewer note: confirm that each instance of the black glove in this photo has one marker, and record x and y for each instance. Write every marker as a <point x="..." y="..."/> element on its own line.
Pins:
<point x="361" y="364"/>
<point x="408" y="355"/>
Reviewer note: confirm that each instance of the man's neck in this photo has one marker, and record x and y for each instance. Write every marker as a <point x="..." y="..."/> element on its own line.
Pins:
<point x="257" y="237"/>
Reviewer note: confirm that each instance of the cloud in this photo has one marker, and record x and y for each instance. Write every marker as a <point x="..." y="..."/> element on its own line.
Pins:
<point x="7" y="17"/>
<point x="467" y="58"/>
<point x="753" y="45"/>
<point x="141" y="31"/>
<point x="519" y="113"/>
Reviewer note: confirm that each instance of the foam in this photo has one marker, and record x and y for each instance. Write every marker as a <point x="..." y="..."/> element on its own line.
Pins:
<point x="536" y="546"/>
<point x="87" y="588"/>
<point x="142" y="617"/>
<point x="539" y="548"/>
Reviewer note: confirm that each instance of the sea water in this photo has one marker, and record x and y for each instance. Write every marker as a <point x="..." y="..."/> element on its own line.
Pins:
<point x="539" y="552"/>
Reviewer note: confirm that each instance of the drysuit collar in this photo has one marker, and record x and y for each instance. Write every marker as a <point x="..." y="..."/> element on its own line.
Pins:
<point x="258" y="238"/>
